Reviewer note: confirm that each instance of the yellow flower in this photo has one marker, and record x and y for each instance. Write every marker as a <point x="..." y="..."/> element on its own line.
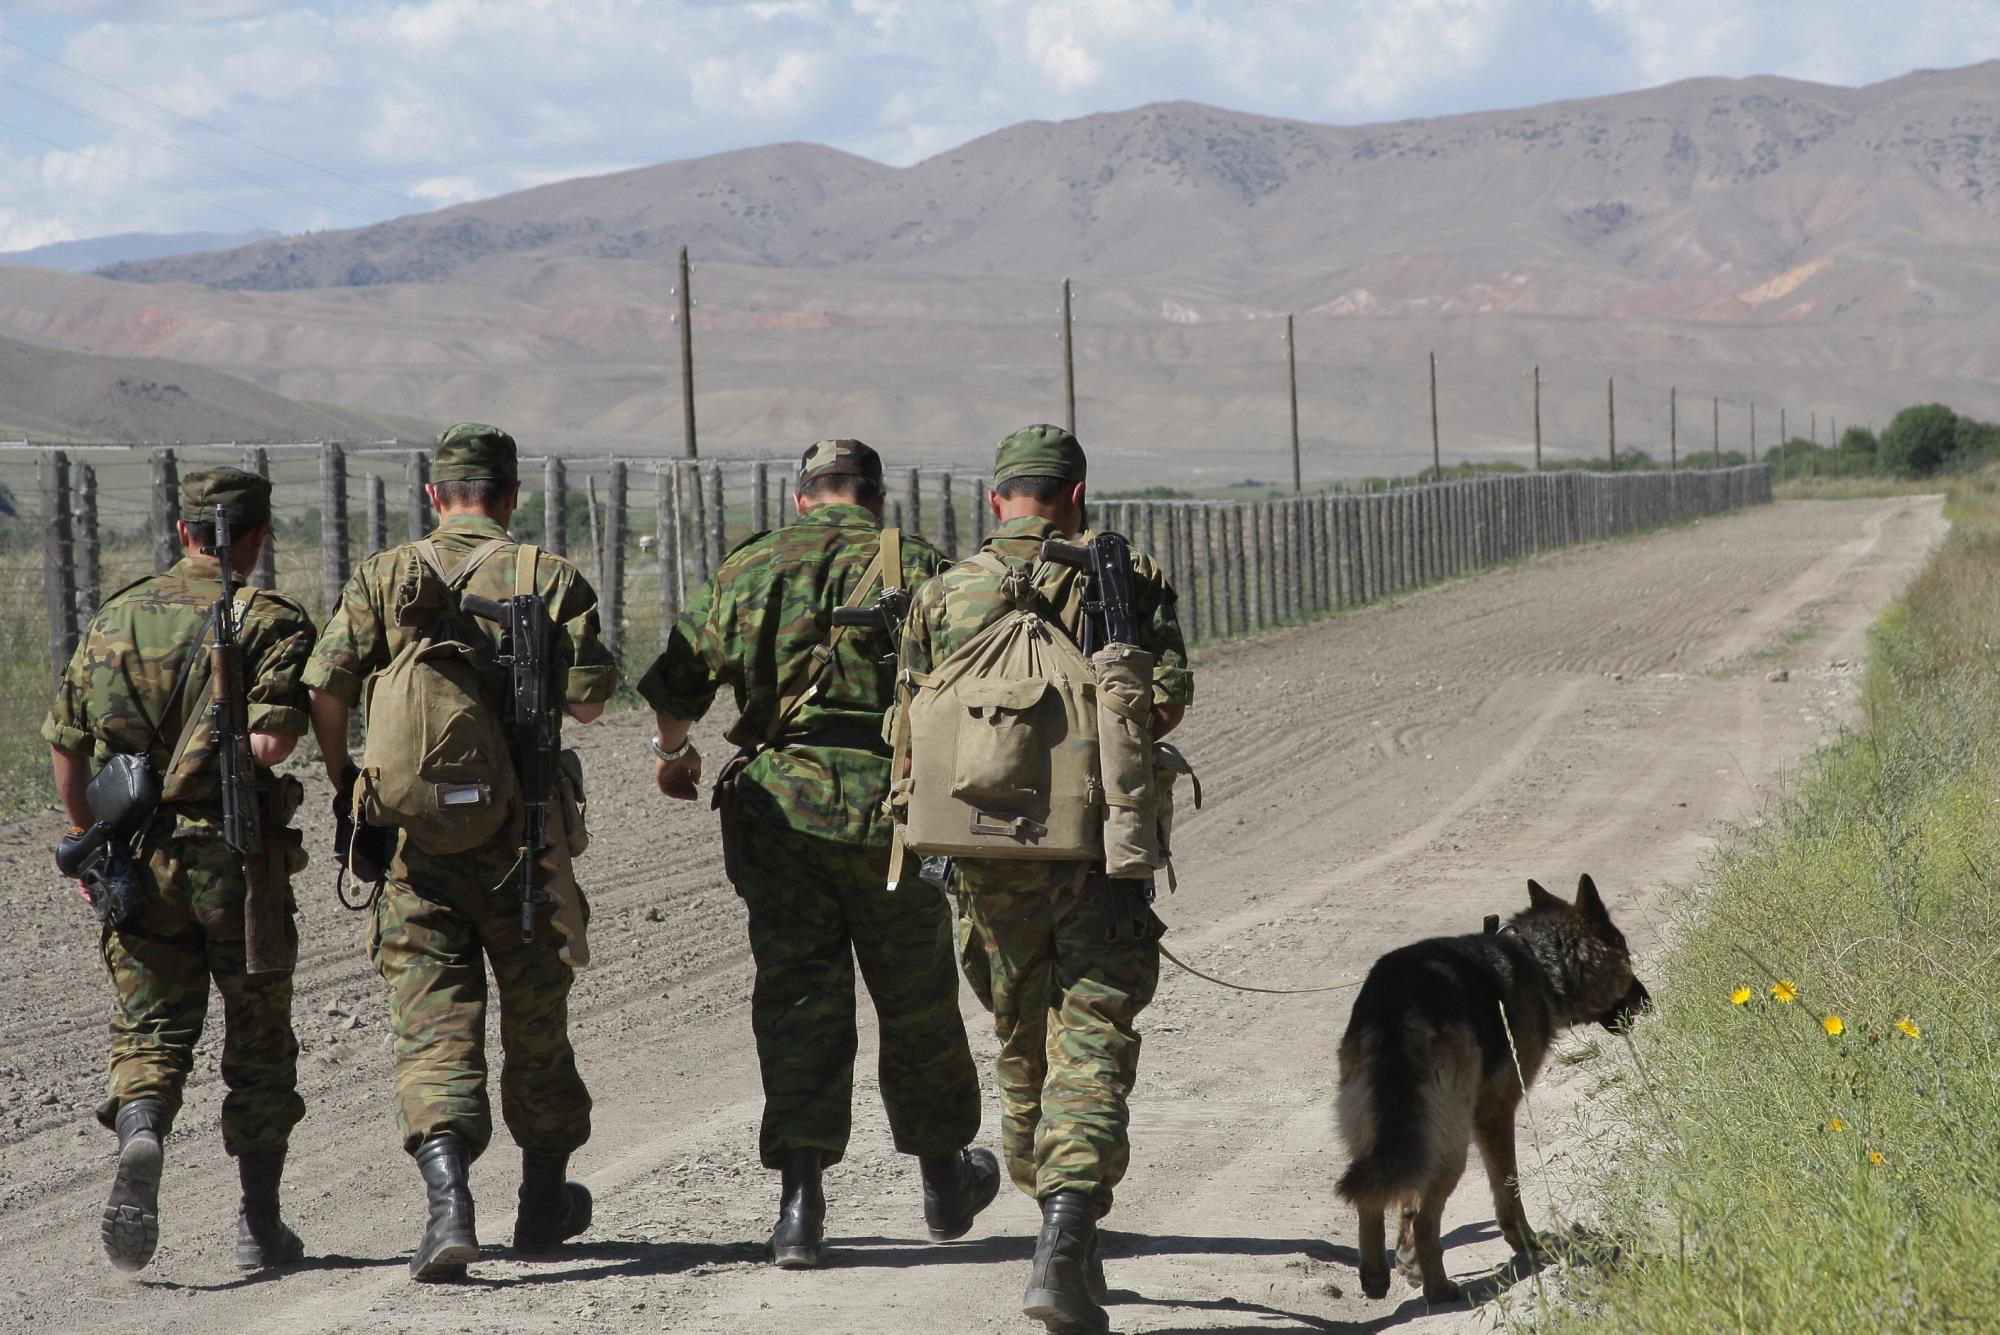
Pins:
<point x="1785" y="990"/>
<point x="1833" y="1026"/>
<point x="1875" y="1156"/>
<point x="1741" y="997"/>
<point x="1908" y="1029"/>
<point x="1835" y="1124"/>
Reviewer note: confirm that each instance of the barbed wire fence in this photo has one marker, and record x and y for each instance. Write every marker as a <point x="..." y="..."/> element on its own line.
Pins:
<point x="649" y="531"/>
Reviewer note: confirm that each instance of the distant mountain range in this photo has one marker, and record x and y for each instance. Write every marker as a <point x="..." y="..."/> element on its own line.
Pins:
<point x="90" y="253"/>
<point x="1766" y="241"/>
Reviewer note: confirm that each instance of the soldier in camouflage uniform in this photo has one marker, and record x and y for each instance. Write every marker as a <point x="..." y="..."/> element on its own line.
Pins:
<point x="809" y="849"/>
<point x="439" y="921"/>
<point x="1033" y="936"/>
<point x="136" y="685"/>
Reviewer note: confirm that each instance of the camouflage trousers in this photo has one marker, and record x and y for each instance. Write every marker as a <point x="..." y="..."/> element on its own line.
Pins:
<point x="433" y="953"/>
<point x="1064" y="999"/>
<point x="161" y="965"/>
<point x="816" y="906"/>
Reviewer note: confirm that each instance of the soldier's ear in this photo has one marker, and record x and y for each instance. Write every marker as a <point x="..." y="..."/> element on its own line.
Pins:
<point x="1590" y="902"/>
<point x="1539" y="898"/>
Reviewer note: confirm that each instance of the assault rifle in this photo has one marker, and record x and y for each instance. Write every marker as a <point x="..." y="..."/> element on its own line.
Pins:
<point x="887" y="614"/>
<point x="265" y="948"/>
<point x="531" y="718"/>
<point x="1106" y="560"/>
<point x="122" y="798"/>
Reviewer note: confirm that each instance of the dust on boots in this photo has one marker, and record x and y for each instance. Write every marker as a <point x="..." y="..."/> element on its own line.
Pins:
<point x="131" y="1222"/>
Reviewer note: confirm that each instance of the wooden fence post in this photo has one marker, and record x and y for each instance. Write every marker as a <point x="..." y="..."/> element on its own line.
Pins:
<point x="1238" y="547"/>
<point x="1211" y="605"/>
<point x="697" y="516"/>
<point x="718" y="521"/>
<point x="378" y="513"/>
<point x="596" y="533"/>
<point x="89" y="560"/>
<point x="165" y="510"/>
<point x="333" y="558"/>
<point x="667" y="544"/>
<point x="58" y="568"/>
<point x="975" y="500"/>
<point x="555" y="506"/>
<point x="760" y="498"/>
<point x="947" y="518"/>
<point x="913" y="505"/>
<point x="613" y="620"/>
<point x="265" y="575"/>
<point x="416" y="474"/>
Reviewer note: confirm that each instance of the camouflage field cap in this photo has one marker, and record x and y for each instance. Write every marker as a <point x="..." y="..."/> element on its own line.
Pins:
<point x="474" y="450"/>
<point x="839" y="458"/>
<point x="246" y="496"/>
<point x="1039" y="451"/>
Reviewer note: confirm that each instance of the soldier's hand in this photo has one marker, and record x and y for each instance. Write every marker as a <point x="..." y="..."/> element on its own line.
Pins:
<point x="680" y="778"/>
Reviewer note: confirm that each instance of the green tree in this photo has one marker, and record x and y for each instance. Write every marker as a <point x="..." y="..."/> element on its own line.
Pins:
<point x="1857" y="450"/>
<point x="1918" y="441"/>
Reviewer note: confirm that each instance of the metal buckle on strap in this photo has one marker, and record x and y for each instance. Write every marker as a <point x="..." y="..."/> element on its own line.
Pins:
<point x="992" y="825"/>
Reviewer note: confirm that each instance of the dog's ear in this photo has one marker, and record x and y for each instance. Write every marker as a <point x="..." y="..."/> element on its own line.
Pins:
<point x="1539" y="898"/>
<point x="1590" y="902"/>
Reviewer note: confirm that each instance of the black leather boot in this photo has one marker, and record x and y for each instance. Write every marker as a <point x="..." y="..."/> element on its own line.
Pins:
<point x="131" y="1223"/>
<point x="796" y="1241"/>
<point x="1093" y="1273"/>
<point x="1059" y="1285"/>
<point x="261" y="1236"/>
<point x="957" y="1187"/>
<point x="552" y="1210"/>
<point x="449" y="1241"/>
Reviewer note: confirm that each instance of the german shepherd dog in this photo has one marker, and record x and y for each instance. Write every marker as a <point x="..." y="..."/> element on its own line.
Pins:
<point x="1427" y="1066"/>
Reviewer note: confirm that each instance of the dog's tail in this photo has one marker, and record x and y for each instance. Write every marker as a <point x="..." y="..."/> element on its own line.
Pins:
<point x="1400" y="1108"/>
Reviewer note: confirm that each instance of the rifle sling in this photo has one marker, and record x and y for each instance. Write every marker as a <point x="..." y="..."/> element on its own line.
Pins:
<point x="245" y="595"/>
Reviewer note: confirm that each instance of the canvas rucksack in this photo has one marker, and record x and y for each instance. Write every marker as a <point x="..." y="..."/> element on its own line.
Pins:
<point x="437" y="763"/>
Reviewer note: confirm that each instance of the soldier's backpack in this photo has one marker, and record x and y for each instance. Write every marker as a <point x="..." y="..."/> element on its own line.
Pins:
<point x="437" y="764"/>
<point x="1001" y="740"/>
<point x="1019" y="747"/>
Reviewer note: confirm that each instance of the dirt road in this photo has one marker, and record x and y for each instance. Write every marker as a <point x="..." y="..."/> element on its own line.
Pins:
<point x="1387" y="775"/>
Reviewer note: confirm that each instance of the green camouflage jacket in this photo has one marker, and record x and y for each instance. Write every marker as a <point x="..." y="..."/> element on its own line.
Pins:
<point x="753" y="627"/>
<point x="965" y="599"/>
<point x="360" y="640"/>
<point x="127" y="662"/>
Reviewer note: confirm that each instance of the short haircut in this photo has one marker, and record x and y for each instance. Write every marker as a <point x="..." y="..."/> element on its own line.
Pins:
<point x="481" y="493"/>
<point x="1037" y="487"/>
<point x="202" y="532"/>
<point x="846" y="486"/>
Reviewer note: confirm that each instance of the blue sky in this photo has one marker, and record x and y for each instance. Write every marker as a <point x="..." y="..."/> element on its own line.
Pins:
<point x="338" y="112"/>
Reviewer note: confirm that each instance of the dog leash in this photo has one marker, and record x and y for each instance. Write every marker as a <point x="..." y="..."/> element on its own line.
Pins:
<point x="1245" y="987"/>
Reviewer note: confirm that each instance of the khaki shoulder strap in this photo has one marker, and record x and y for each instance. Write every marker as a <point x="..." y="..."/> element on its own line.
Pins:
<point x="525" y="557"/>
<point x="822" y="654"/>
<point x="191" y="727"/>
<point x="427" y="550"/>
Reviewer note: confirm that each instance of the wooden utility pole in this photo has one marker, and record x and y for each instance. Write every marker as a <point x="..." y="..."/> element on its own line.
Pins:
<point x="1069" y="365"/>
<point x="1784" y="447"/>
<point x="687" y="359"/>
<point x="1437" y="458"/>
<point x="1673" y="426"/>
<point x="1538" y="419"/>
<point x="1611" y="418"/>
<point x="1753" y="433"/>
<point x="1292" y="375"/>
<point x="1812" y="455"/>
<point x="1715" y="430"/>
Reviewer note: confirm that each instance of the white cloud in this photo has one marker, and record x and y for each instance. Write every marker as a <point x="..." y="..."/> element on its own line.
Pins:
<point x="444" y="100"/>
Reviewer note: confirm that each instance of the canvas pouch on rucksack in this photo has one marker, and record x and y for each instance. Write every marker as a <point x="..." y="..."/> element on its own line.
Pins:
<point x="436" y="764"/>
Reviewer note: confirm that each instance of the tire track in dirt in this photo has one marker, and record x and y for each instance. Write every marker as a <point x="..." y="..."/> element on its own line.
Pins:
<point x="1372" y="778"/>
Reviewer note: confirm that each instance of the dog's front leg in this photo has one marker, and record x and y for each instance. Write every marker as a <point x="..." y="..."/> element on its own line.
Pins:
<point x="1493" y="1128"/>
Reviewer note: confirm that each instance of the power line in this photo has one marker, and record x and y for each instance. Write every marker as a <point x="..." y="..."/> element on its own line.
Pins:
<point x="145" y="180"/>
<point x="211" y="128"/>
<point x="144" y="137"/>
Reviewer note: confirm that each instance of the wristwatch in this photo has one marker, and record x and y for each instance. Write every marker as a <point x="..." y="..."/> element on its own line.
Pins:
<point x="687" y="745"/>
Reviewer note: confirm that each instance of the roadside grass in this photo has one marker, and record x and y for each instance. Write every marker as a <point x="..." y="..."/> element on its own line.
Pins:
<point x="1854" y="488"/>
<point x="1808" y="1137"/>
